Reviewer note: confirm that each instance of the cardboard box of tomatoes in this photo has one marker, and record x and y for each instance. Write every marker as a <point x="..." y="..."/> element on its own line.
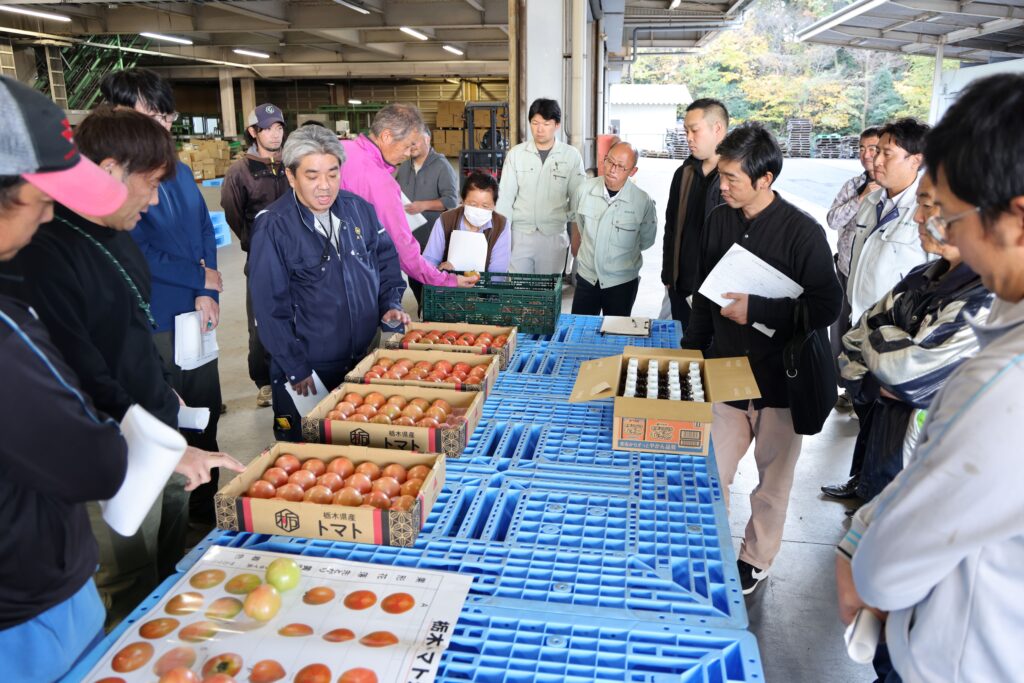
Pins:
<point x="401" y="417"/>
<point x="429" y="369"/>
<point x="660" y="425"/>
<point x="356" y="521"/>
<point x="422" y="336"/>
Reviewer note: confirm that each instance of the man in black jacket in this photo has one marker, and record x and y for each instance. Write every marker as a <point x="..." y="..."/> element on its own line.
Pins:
<point x="692" y="196"/>
<point x="756" y="218"/>
<point x="90" y="284"/>
<point x="58" y="451"/>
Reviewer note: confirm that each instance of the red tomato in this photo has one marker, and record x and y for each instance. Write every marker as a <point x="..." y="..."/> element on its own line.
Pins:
<point x="345" y="408"/>
<point x="158" y="628"/>
<point x="411" y="487"/>
<point x="303" y="478"/>
<point x="315" y="465"/>
<point x="228" y="663"/>
<point x="413" y="411"/>
<point x="290" y="492"/>
<point x="370" y="469"/>
<point x="378" y="499"/>
<point x="428" y="422"/>
<point x="380" y="419"/>
<point x="178" y="657"/>
<point x="462" y="367"/>
<point x="321" y="495"/>
<point x="389" y="485"/>
<point x="436" y="412"/>
<point x="179" y="675"/>
<point x="398" y="401"/>
<point x="421" y="402"/>
<point x="395" y="471"/>
<point x="242" y="584"/>
<point x="263" y="603"/>
<point x="133" y="656"/>
<point x="396" y="603"/>
<point x="224" y="609"/>
<point x="385" y="362"/>
<point x="198" y="632"/>
<point x="295" y="630"/>
<point x="313" y="673"/>
<point x="111" y="679"/>
<point x="403" y="421"/>
<point x="371" y="375"/>
<point x="379" y="639"/>
<point x="402" y="503"/>
<point x="360" y="482"/>
<point x="342" y="466"/>
<point x="339" y="635"/>
<point x="390" y="410"/>
<point x="288" y="462"/>
<point x="358" y="675"/>
<point x="276" y="476"/>
<point x="261" y="488"/>
<point x="367" y="409"/>
<point x="266" y="671"/>
<point x="419" y="472"/>
<point x="357" y="417"/>
<point x="186" y="603"/>
<point x="219" y="678"/>
<point x="318" y="596"/>
<point x="353" y="398"/>
<point x="360" y="600"/>
<point x="331" y="480"/>
<point x="348" y="496"/>
<point x="375" y="399"/>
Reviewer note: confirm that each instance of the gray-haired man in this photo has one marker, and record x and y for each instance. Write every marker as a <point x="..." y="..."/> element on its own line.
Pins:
<point x="324" y="275"/>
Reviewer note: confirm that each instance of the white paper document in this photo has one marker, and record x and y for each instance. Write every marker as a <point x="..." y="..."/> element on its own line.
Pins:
<point x="415" y="219"/>
<point x="626" y="325"/>
<point x="153" y="451"/>
<point x="305" y="404"/>
<point x="468" y="250"/>
<point x="195" y="419"/>
<point x="193" y="346"/>
<point x="742" y="272"/>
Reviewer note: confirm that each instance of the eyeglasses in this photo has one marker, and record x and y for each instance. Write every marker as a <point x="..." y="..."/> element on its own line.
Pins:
<point x="938" y="227"/>
<point x="166" y="118"/>
<point x="616" y="167"/>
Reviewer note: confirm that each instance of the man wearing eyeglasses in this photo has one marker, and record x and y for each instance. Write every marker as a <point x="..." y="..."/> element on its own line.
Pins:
<point x="615" y="221"/>
<point x="176" y="237"/>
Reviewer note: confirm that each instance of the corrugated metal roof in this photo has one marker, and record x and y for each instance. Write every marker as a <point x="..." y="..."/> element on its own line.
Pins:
<point x="631" y="93"/>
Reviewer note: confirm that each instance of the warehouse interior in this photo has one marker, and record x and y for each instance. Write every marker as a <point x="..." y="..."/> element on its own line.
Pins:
<point x="339" y="61"/>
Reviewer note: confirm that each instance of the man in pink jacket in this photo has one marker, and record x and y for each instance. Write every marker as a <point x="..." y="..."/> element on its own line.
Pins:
<point x="369" y="173"/>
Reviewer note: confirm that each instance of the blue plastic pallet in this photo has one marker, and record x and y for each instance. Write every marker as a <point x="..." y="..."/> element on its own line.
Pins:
<point x="526" y="384"/>
<point x="586" y="329"/>
<point x="495" y="647"/>
<point x="593" y="414"/>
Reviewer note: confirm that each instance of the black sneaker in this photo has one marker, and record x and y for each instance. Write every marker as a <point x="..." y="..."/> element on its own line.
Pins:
<point x="750" y="576"/>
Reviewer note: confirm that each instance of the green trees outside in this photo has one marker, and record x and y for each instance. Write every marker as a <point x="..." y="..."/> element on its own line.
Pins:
<point x="762" y="73"/>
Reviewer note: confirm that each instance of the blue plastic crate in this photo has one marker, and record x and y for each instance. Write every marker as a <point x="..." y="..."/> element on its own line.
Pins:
<point x="493" y="443"/>
<point x="495" y="649"/>
<point x="586" y="329"/>
<point x="592" y="414"/>
<point x="213" y="182"/>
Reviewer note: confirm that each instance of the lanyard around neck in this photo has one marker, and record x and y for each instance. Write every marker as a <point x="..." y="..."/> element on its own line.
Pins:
<point x="139" y="300"/>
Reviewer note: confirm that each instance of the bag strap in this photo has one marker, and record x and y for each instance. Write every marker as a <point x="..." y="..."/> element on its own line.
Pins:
<point x="801" y="330"/>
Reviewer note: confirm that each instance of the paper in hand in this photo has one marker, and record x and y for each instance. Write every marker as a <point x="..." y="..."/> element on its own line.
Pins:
<point x="468" y="250"/>
<point x="193" y="346"/>
<point x="415" y="219"/>
<point x="305" y="404"/>
<point x="195" y="419"/>
<point x="154" y="449"/>
<point x="740" y="271"/>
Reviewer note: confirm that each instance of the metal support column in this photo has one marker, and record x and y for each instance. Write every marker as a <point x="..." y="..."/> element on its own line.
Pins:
<point x="229" y="126"/>
<point x="933" y="113"/>
<point x="55" y="73"/>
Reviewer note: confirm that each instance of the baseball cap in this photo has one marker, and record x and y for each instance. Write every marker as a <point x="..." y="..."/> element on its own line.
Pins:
<point x="39" y="146"/>
<point x="264" y="116"/>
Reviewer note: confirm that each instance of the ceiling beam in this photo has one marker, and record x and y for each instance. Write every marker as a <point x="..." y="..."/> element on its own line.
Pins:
<point x="428" y="69"/>
<point x="994" y="26"/>
<point x="276" y="18"/>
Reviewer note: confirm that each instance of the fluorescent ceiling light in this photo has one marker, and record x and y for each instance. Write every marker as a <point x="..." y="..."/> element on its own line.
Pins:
<point x="674" y="4"/>
<point x="34" y="13"/>
<point x="454" y="50"/>
<point x="353" y="6"/>
<point x="170" y="39"/>
<point x="250" y="53"/>
<point x="414" y="33"/>
<point x="355" y="101"/>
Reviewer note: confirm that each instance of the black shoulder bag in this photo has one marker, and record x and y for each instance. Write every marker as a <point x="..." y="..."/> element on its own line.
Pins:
<point x="810" y="374"/>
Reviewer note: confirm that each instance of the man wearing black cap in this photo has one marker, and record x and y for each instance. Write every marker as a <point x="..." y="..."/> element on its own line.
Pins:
<point x="250" y="185"/>
<point x="58" y="451"/>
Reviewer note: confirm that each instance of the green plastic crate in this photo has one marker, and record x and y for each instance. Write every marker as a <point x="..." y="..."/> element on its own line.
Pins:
<point x="530" y="302"/>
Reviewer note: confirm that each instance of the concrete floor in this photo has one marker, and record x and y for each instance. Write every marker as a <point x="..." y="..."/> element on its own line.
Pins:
<point x="794" y="614"/>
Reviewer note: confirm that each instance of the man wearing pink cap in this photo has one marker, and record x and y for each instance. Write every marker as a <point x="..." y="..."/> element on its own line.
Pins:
<point x="59" y="451"/>
<point x="369" y="173"/>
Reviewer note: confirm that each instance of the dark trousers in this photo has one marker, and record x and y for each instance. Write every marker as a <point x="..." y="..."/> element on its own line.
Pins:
<point x="883" y="666"/>
<point x="590" y="299"/>
<point x="287" y="421"/>
<point x="199" y="388"/>
<point x="422" y="235"/>
<point x="680" y="309"/>
<point x="259" y="359"/>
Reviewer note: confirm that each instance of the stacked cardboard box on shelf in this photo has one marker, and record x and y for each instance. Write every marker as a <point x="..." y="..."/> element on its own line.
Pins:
<point x="448" y="142"/>
<point x="450" y="113"/>
<point x="207" y="158"/>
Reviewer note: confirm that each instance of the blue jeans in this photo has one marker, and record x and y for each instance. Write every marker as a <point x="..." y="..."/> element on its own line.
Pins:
<point x="48" y="646"/>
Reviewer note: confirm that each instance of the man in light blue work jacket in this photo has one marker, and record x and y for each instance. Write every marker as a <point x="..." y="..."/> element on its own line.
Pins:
<point x="537" y="180"/>
<point x="616" y="221"/>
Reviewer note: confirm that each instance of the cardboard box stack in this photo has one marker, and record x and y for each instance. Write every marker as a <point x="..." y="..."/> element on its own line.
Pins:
<point x="207" y="158"/>
<point x="449" y="130"/>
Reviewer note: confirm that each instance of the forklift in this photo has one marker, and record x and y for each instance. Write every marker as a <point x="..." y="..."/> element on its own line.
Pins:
<point x="487" y="143"/>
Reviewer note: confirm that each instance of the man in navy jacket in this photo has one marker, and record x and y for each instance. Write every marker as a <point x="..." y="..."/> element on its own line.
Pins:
<point x="176" y="237"/>
<point x="324" y="274"/>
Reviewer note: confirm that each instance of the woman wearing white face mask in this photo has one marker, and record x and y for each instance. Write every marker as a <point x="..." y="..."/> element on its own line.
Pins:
<point x="479" y="195"/>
